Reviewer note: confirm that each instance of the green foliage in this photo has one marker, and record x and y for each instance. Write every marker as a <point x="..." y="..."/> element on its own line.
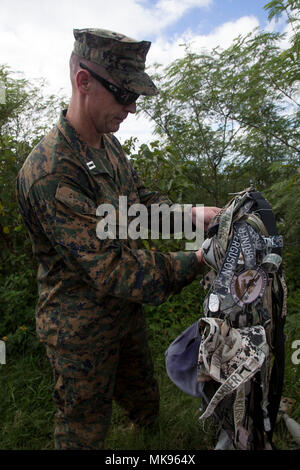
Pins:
<point x="169" y="319"/>
<point x="161" y="170"/>
<point x="26" y="405"/>
<point x="284" y="196"/>
<point x="292" y="370"/>
<point x="289" y="8"/>
<point x="224" y="119"/>
<point x="18" y="296"/>
<point x="224" y="110"/>
<point x="28" y="412"/>
<point x="24" y="118"/>
<point x="28" y="112"/>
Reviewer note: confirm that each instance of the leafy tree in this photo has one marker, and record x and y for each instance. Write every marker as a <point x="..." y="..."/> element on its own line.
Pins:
<point x="227" y="112"/>
<point x="160" y="169"/>
<point x="25" y="116"/>
<point x="291" y="8"/>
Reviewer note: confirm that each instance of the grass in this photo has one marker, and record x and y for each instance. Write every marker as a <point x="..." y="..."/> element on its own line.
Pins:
<point x="27" y="411"/>
<point x="26" y="404"/>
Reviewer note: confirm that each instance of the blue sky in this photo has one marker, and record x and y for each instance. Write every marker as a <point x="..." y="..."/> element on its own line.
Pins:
<point x="202" y="21"/>
<point x="36" y="36"/>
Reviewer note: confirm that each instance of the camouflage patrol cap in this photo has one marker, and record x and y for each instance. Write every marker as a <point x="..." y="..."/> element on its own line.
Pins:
<point x="124" y="58"/>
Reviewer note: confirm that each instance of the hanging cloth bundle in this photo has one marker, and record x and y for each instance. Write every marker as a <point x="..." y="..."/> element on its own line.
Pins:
<point x="240" y="341"/>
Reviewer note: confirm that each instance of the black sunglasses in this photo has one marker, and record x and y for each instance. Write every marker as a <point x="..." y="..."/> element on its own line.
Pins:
<point x="122" y="96"/>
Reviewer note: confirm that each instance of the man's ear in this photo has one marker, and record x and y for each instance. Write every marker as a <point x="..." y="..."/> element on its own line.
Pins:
<point x="83" y="81"/>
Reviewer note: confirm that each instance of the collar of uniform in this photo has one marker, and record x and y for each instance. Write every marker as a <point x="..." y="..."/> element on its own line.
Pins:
<point x="94" y="160"/>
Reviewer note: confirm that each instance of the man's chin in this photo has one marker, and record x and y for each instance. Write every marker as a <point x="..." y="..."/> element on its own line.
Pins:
<point x="114" y="127"/>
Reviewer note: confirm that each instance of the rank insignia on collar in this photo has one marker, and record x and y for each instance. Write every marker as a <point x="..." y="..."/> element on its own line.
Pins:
<point x="91" y="165"/>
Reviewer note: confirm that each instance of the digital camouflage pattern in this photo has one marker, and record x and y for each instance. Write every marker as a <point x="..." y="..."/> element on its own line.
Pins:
<point x="124" y="58"/>
<point x="86" y="384"/>
<point x="88" y="288"/>
<point x="91" y="291"/>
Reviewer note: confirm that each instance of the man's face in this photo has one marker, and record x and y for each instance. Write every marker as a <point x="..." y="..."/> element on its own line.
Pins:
<point x="104" y="112"/>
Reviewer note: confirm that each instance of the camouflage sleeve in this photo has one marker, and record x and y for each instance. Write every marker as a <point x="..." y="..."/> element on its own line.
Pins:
<point x="68" y="219"/>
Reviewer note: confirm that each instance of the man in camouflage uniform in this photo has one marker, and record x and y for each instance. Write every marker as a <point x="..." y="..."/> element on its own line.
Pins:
<point x="89" y="313"/>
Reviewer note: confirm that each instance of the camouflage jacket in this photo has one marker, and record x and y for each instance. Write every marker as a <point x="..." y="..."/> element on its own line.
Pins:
<point x="89" y="289"/>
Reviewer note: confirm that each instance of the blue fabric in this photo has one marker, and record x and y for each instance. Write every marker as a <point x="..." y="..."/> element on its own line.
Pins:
<point x="181" y="361"/>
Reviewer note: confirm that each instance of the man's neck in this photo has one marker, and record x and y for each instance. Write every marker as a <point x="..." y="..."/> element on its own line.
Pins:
<point x="82" y="127"/>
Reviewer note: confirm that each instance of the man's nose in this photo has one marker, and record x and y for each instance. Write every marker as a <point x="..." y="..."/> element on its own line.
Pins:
<point x="131" y="108"/>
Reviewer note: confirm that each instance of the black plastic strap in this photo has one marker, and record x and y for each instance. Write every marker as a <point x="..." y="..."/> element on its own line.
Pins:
<point x="267" y="215"/>
<point x="277" y="374"/>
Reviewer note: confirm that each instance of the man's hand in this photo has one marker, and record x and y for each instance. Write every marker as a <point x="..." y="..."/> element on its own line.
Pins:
<point x="199" y="256"/>
<point x="203" y="215"/>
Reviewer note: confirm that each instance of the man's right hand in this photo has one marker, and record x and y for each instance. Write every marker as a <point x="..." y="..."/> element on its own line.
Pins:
<point x="200" y="258"/>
